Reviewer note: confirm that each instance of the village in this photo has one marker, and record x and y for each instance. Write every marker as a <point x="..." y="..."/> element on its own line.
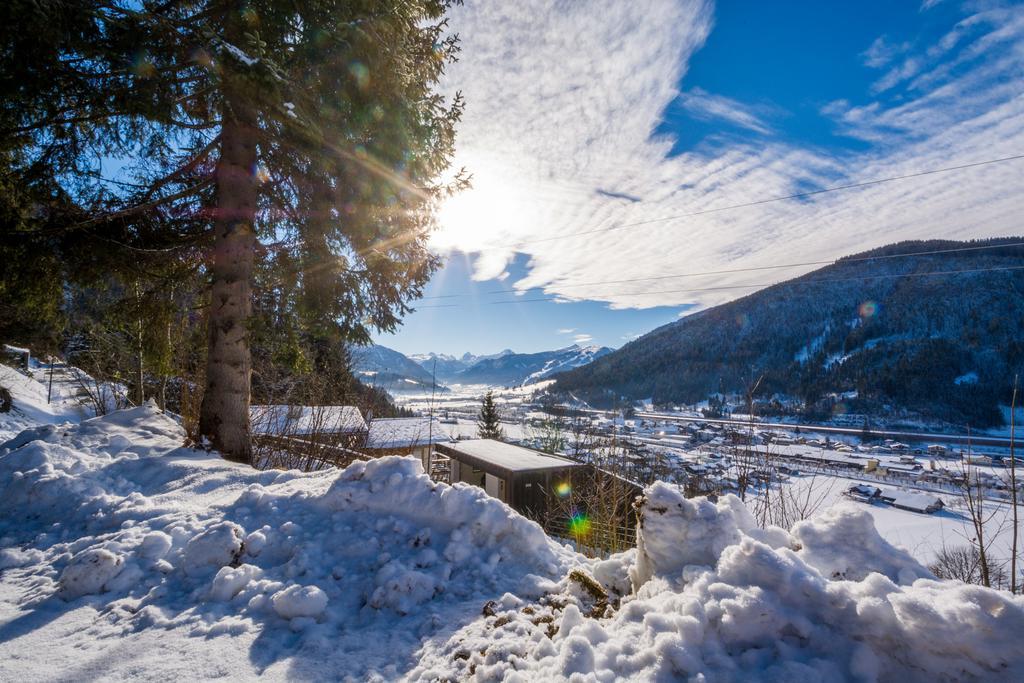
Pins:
<point x="554" y="468"/>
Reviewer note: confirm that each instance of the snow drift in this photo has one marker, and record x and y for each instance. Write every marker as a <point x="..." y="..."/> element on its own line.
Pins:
<point x="124" y="555"/>
<point x="716" y="599"/>
<point x="340" y="573"/>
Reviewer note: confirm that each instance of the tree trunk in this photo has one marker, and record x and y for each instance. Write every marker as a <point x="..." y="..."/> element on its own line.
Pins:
<point x="140" y="370"/>
<point x="224" y="413"/>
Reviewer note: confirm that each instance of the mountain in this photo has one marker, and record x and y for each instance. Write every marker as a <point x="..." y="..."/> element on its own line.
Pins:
<point x="386" y="368"/>
<point x="944" y="347"/>
<point x="448" y="366"/>
<point x="508" y="368"/>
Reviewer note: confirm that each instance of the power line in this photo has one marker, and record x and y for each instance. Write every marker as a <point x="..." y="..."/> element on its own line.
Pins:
<point x="753" y="286"/>
<point x="758" y="202"/>
<point x="772" y="267"/>
<point x="730" y="271"/>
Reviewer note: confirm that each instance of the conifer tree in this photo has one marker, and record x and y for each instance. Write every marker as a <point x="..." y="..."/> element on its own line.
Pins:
<point x="218" y="130"/>
<point x="488" y="425"/>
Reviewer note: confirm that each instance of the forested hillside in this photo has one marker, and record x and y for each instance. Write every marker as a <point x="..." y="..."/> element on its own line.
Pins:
<point x="945" y="346"/>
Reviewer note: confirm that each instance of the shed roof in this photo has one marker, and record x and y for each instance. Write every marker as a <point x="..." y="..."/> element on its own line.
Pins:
<point x="404" y="432"/>
<point x="503" y="458"/>
<point x="302" y="420"/>
<point x="912" y="501"/>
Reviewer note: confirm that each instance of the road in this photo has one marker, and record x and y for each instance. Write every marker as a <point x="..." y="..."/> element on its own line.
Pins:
<point x="964" y="439"/>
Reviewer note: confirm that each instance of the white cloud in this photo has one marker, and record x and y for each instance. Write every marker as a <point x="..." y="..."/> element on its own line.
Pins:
<point x="583" y="338"/>
<point x="567" y="330"/>
<point x="881" y="52"/>
<point x="705" y="106"/>
<point x="563" y="101"/>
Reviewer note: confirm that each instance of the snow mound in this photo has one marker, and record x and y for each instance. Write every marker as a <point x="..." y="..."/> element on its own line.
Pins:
<point x="299" y="601"/>
<point x="677" y="532"/>
<point x="124" y="555"/>
<point x="88" y="572"/>
<point x="717" y="602"/>
<point x="111" y="531"/>
<point x="843" y="543"/>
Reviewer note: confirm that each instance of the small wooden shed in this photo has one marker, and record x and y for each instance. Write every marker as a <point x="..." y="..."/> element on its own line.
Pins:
<point x="521" y="477"/>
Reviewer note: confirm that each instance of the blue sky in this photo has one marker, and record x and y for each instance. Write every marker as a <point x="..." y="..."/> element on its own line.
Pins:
<point x="585" y="116"/>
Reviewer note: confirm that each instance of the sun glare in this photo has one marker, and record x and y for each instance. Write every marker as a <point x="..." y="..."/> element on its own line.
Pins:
<point x="493" y="211"/>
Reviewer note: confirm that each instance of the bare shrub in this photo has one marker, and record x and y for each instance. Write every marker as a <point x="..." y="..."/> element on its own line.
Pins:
<point x="966" y="563"/>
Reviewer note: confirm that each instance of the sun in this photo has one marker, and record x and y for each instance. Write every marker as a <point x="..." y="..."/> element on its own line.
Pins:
<point x="464" y="220"/>
<point x="495" y="210"/>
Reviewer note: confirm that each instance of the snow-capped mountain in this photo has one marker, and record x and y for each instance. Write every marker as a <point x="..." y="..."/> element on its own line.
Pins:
<point x="386" y="368"/>
<point x="380" y="366"/>
<point x="509" y="368"/>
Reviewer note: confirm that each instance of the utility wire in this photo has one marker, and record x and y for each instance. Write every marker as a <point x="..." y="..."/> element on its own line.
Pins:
<point x="758" y="202"/>
<point x="772" y="267"/>
<point x="752" y="286"/>
<point x="729" y="271"/>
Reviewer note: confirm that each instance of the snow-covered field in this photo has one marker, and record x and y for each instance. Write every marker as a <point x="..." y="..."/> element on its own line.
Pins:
<point x="922" y="535"/>
<point x="124" y="555"/>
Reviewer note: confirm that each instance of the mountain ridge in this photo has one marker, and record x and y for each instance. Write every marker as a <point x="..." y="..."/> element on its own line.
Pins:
<point x="382" y="366"/>
<point x="876" y="323"/>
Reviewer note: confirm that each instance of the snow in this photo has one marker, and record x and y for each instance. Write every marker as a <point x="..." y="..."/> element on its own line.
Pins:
<point x="843" y="543"/>
<point x="296" y="420"/>
<point x="508" y="458"/>
<point x="124" y="555"/>
<point x="115" y="539"/>
<point x="745" y="611"/>
<point x="30" y="406"/>
<point x="88" y="572"/>
<point x="404" y="432"/>
<point x="967" y="378"/>
<point x="299" y="602"/>
<point x="239" y="54"/>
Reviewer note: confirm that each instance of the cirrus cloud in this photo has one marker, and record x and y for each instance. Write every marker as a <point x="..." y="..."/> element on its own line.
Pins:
<point x="564" y="101"/>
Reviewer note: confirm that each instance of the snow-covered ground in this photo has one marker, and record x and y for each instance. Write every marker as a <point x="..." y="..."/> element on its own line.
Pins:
<point x="30" y="401"/>
<point x="922" y="535"/>
<point x="124" y="555"/>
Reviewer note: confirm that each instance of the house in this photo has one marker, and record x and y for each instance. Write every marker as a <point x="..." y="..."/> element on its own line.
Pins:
<point x="863" y="492"/>
<point x="912" y="501"/>
<point x="523" y="478"/>
<point x="937" y="449"/>
<point x="336" y="425"/>
<point x="850" y="420"/>
<point x="902" y="468"/>
<point x="405" y="436"/>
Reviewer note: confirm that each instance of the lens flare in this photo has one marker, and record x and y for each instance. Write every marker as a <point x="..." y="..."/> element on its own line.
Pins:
<point x="142" y="66"/>
<point x="360" y="73"/>
<point x="868" y="309"/>
<point x="563" y="489"/>
<point x="579" y="525"/>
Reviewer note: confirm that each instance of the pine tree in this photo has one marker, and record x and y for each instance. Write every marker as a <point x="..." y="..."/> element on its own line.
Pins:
<point x="241" y="127"/>
<point x="488" y="425"/>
